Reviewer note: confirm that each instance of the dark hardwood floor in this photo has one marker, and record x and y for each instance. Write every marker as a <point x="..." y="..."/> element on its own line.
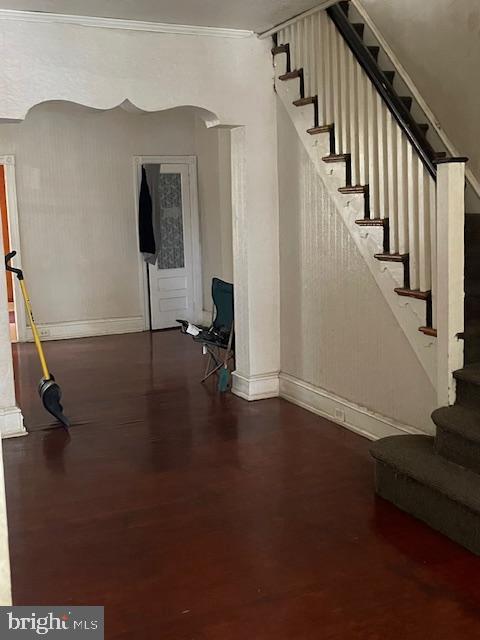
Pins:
<point x="194" y="516"/>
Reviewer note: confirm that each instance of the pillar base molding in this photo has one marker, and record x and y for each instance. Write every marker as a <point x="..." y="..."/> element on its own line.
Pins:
<point x="257" y="387"/>
<point x="11" y="423"/>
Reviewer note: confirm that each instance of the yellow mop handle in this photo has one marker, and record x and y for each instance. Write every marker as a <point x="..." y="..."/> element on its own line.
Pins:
<point x="36" y="337"/>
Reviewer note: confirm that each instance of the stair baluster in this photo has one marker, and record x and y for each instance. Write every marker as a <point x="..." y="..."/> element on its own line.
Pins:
<point x="381" y="147"/>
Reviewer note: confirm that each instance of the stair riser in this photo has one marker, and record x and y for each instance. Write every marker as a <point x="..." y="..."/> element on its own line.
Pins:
<point x="472" y="231"/>
<point x="472" y="307"/>
<point x="468" y="395"/>
<point x="437" y="510"/>
<point x="472" y="238"/>
<point x="457" y="449"/>
<point x="472" y="265"/>
<point x="472" y="350"/>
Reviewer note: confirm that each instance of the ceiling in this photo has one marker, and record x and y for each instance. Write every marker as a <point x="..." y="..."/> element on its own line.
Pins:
<point x="255" y="15"/>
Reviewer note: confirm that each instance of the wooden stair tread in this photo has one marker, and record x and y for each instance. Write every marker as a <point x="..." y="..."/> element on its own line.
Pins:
<point x="354" y="189"/>
<point x="424" y="127"/>
<point x="374" y="51"/>
<point x="429" y="331"/>
<point x="280" y="48"/>
<point x="291" y="75"/>
<point x="392" y="257"/>
<point x="413" y="293"/>
<point x="326" y="128"/>
<point x="302" y="102"/>
<point x="337" y="157"/>
<point x="407" y="101"/>
<point x="372" y="222"/>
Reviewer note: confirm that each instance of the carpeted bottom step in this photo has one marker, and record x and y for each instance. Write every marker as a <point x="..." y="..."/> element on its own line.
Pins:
<point x="446" y="496"/>
<point x="458" y="435"/>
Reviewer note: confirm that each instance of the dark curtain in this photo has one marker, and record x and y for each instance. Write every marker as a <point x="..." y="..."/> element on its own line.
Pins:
<point x="145" y="218"/>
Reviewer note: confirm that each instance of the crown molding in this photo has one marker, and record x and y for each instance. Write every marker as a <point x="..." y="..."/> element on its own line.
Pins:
<point x="117" y="23"/>
<point x="299" y="16"/>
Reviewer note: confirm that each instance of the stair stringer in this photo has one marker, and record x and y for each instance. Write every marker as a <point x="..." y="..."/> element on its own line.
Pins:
<point x="409" y="313"/>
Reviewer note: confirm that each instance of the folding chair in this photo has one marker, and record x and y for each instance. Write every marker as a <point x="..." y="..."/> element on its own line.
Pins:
<point x="218" y="340"/>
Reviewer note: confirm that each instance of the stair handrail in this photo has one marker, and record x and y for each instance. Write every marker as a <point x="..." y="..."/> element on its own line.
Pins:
<point x="399" y="69"/>
<point x="413" y="89"/>
<point x="398" y="109"/>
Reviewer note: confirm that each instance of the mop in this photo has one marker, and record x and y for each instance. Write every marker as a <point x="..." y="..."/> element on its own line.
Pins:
<point x="48" y="389"/>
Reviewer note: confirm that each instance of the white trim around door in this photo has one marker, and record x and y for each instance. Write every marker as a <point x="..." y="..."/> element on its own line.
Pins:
<point x="191" y="163"/>
<point x="8" y="162"/>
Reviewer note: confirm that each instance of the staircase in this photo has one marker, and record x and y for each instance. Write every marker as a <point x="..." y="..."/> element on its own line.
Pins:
<point x="412" y="196"/>
<point x="438" y="479"/>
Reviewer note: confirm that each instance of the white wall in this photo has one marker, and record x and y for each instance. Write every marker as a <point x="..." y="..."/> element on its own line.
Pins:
<point x="230" y="78"/>
<point x="337" y="331"/>
<point x="75" y="189"/>
<point x="215" y="202"/>
<point x="438" y="42"/>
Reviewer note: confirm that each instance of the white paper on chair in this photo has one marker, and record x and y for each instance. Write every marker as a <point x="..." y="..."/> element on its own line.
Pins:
<point x="193" y="330"/>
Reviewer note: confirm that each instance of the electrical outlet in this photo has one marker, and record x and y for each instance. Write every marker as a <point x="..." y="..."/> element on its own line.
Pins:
<point x="44" y="332"/>
<point x="339" y="414"/>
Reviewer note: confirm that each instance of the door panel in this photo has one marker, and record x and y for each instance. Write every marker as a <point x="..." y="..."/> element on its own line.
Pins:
<point x="171" y="278"/>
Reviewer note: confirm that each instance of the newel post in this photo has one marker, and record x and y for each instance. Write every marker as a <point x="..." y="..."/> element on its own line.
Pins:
<point x="450" y="274"/>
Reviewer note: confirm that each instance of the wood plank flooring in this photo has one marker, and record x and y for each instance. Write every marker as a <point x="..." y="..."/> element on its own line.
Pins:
<point x="195" y="516"/>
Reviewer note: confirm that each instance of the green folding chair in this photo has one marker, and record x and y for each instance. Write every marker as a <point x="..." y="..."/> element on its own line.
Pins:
<point x="218" y="340"/>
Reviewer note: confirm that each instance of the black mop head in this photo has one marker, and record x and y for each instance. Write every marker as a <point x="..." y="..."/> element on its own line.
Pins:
<point x="51" y="394"/>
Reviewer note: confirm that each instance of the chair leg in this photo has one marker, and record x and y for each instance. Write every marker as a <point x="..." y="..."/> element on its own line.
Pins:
<point x="205" y="375"/>
<point x="217" y="364"/>
<point x="214" y="370"/>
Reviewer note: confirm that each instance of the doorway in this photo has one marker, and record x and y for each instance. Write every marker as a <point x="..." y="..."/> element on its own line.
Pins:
<point x="11" y="242"/>
<point x="172" y="275"/>
<point x="6" y="249"/>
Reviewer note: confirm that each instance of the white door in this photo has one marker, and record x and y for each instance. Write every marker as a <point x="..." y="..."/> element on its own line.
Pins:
<point x="173" y="279"/>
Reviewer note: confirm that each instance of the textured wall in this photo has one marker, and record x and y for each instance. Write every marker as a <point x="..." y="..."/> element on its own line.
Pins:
<point x="214" y="193"/>
<point x="337" y="331"/>
<point x="76" y="203"/>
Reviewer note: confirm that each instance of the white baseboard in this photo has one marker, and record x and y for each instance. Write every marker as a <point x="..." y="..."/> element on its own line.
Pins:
<point x="348" y="414"/>
<point x="11" y="423"/>
<point x="88" y="328"/>
<point x="255" y="387"/>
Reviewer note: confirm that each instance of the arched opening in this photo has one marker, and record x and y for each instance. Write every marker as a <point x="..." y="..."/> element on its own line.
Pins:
<point x="77" y="186"/>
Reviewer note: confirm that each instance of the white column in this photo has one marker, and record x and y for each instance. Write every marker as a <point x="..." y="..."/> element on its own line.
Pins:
<point x="11" y="419"/>
<point x="255" y="265"/>
<point x="5" y="578"/>
<point x="450" y="274"/>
